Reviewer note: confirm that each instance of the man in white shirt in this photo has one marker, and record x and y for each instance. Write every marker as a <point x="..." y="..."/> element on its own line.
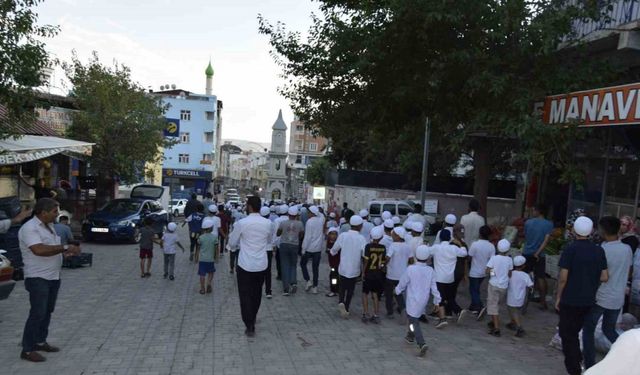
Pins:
<point x="351" y="246"/>
<point x="445" y="257"/>
<point x="472" y="222"/>
<point x="398" y="255"/>
<point x="251" y="236"/>
<point x="366" y="225"/>
<point x="42" y="255"/>
<point x="480" y="252"/>
<point x="265" y="212"/>
<point x="449" y="221"/>
<point x="418" y="216"/>
<point x="312" y="246"/>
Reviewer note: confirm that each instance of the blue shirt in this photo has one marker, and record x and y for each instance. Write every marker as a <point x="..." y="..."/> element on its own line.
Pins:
<point x="585" y="261"/>
<point x="195" y="222"/>
<point x="535" y="230"/>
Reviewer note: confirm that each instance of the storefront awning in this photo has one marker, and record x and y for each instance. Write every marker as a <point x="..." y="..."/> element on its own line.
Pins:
<point x="28" y="148"/>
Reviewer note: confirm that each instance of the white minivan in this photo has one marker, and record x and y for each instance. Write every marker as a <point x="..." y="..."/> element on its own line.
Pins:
<point x="398" y="208"/>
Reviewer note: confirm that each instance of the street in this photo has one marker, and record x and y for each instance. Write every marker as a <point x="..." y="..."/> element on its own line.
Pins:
<point x="110" y="321"/>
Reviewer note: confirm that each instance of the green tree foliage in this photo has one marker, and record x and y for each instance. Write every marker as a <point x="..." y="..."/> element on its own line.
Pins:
<point x="370" y="72"/>
<point x="22" y="56"/>
<point x="315" y="173"/>
<point x="123" y="121"/>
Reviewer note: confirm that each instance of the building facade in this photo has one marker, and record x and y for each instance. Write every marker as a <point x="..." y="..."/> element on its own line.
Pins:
<point x="304" y="149"/>
<point x="277" y="175"/>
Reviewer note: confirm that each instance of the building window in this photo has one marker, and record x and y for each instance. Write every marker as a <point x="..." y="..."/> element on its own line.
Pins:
<point x="183" y="158"/>
<point x="206" y="157"/>
<point x="313" y="147"/>
<point x="185" y="115"/>
<point x="184" y="137"/>
<point x="210" y="115"/>
<point x="298" y="159"/>
<point x="299" y="145"/>
<point x="208" y="137"/>
<point x="299" y="128"/>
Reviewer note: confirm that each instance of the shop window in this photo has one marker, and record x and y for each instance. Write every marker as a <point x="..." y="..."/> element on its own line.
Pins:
<point x="184" y="137"/>
<point x="185" y="115"/>
<point x="183" y="158"/>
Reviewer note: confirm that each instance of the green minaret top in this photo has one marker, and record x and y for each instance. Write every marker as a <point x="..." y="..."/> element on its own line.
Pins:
<point x="209" y="71"/>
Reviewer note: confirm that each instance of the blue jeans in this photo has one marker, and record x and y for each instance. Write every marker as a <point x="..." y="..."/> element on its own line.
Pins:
<point x="474" y="289"/>
<point x="42" y="296"/>
<point x="609" y="319"/>
<point x="315" y="264"/>
<point x="417" y="331"/>
<point x="289" y="263"/>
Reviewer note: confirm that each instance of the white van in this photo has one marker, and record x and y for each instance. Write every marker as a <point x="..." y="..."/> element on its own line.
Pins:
<point x="398" y="208"/>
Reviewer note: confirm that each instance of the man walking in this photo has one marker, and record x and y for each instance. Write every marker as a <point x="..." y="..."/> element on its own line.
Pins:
<point x="537" y="232"/>
<point x="42" y="255"/>
<point x="472" y="222"/>
<point x="583" y="266"/>
<point x="250" y="237"/>
<point x="191" y="205"/>
<point x="312" y="245"/>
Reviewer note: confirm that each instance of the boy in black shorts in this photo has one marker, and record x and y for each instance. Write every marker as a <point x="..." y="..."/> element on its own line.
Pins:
<point x="373" y="275"/>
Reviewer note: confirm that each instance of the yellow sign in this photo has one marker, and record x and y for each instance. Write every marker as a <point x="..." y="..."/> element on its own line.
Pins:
<point x="172" y="128"/>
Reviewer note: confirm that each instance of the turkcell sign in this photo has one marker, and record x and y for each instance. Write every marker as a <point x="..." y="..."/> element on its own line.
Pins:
<point x="186" y="173"/>
<point x="173" y="127"/>
<point x="617" y="105"/>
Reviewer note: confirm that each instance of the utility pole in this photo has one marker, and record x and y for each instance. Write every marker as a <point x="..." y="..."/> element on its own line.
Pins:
<point x="425" y="163"/>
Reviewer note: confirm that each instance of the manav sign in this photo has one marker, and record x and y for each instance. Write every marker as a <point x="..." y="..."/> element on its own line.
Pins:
<point x="617" y="105"/>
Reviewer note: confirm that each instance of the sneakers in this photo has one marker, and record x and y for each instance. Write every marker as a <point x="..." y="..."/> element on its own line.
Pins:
<point x="494" y="332"/>
<point x="481" y="313"/>
<point x="410" y="338"/>
<point x="314" y="290"/>
<point x="209" y="289"/>
<point x="343" y="310"/>
<point x="285" y="293"/>
<point x="364" y="318"/>
<point x="423" y="350"/>
<point x="520" y="332"/>
<point x="171" y="278"/>
<point x="512" y="326"/>
<point x="375" y="319"/>
<point x="269" y="296"/>
<point x="442" y="323"/>
<point x="294" y="288"/>
<point x="331" y="294"/>
<point x="309" y="285"/>
<point x="461" y="315"/>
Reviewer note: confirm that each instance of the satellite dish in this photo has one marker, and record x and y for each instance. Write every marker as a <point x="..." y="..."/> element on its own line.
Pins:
<point x="161" y="87"/>
<point x="173" y="86"/>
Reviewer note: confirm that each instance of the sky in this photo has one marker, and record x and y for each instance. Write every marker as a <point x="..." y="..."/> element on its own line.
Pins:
<point x="171" y="41"/>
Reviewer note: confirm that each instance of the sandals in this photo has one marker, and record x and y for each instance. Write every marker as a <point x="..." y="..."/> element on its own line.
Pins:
<point x="209" y="289"/>
<point x="201" y="291"/>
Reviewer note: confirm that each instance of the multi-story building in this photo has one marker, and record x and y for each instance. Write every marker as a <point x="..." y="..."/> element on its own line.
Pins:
<point x="304" y="148"/>
<point x="243" y="166"/>
<point x="194" y="122"/>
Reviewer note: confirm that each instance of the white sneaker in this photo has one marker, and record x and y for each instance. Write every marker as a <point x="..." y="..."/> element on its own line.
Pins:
<point x="314" y="290"/>
<point x="309" y="285"/>
<point x="343" y="310"/>
<point x="461" y="315"/>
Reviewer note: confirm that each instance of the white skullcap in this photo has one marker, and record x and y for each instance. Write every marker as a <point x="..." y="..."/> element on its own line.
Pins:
<point x="207" y="223"/>
<point x="332" y="229"/>
<point x="450" y="219"/>
<point x="265" y="211"/>
<point x="355" y="220"/>
<point x="377" y="221"/>
<point x="213" y="208"/>
<point x="283" y="209"/>
<point x="292" y="211"/>
<point x="417" y="226"/>
<point x="396" y="220"/>
<point x="272" y="208"/>
<point x="400" y="232"/>
<point x="343" y="221"/>
<point x="504" y="246"/>
<point x="388" y="223"/>
<point x="519" y="260"/>
<point x="314" y="210"/>
<point x="583" y="226"/>
<point x="406" y="225"/>
<point x="376" y="233"/>
<point x="363" y="213"/>
<point x="332" y="215"/>
<point x="172" y="226"/>
<point x="422" y="252"/>
<point x="386" y="215"/>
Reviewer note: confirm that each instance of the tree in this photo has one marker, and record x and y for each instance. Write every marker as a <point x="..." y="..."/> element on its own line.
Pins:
<point x="315" y="173"/>
<point x="22" y="57"/>
<point x="370" y="72"/>
<point x="116" y="114"/>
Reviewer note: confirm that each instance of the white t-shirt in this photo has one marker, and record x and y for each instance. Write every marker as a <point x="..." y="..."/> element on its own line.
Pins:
<point x="623" y="357"/>
<point x="445" y="257"/>
<point x="35" y="232"/>
<point x="351" y="247"/>
<point x="170" y="240"/>
<point x="399" y="254"/>
<point x="518" y="284"/>
<point x="501" y="266"/>
<point x="472" y="222"/>
<point x="217" y="224"/>
<point x="480" y="252"/>
<point x="313" y="241"/>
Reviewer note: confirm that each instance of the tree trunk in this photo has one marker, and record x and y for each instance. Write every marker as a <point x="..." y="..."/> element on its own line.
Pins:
<point x="482" y="173"/>
<point x="104" y="189"/>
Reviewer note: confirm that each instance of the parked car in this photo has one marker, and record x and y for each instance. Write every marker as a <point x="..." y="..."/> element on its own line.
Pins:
<point x="176" y="207"/>
<point x="6" y="277"/>
<point x="233" y="199"/>
<point x="398" y="208"/>
<point x="120" y="219"/>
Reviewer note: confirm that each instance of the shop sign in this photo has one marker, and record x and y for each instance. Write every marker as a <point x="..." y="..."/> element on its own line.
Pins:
<point x="57" y="118"/>
<point x="617" y="105"/>
<point x="188" y="173"/>
<point x="173" y="128"/>
<point x="9" y="158"/>
<point x="319" y="192"/>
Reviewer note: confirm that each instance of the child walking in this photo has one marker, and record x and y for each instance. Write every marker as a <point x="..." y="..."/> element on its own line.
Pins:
<point x="373" y="275"/>
<point x="207" y="243"/>
<point x="519" y="283"/>
<point x="169" y="244"/>
<point x="334" y="262"/>
<point x="147" y="239"/>
<point x="418" y="280"/>
<point x="499" y="268"/>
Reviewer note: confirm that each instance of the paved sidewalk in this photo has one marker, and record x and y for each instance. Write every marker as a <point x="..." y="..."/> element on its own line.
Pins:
<point x="110" y="321"/>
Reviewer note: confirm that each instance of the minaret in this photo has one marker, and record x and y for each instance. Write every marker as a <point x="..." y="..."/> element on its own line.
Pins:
<point x="209" y="74"/>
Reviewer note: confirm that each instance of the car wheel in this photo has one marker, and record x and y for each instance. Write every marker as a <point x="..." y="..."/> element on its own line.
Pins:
<point x="136" y="236"/>
<point x="176" y="213"/>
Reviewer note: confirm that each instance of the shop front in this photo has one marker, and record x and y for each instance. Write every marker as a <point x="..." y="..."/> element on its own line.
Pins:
<point x="186" y="181"/>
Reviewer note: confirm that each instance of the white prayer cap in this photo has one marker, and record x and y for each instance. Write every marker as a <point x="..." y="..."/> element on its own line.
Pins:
<point x="388" y="223"/>
<point x="207" y="223"/>
<point x="213" y="208"/>
<point x="292" y="211"/>
<point x="355" y="220"/>
<point x="386" y="215"/>
<point x="272" y="208"/>
<point x="283" y="209"/>
<point x="450" y="219"/>
<point x="406" y="225"/>
<point x="332" y="215"/>
<point x="422" y="252"/>
<point x="504" y="246"/>
<point x="396" y="220"/>
<point x="363" y="213"/>
<point x="265" y="211"/>
<point x="172" y="226"/>
<point x="332" y="229"/>
<point x="519" y="260"/>
<point x="377" y="221"/>
<point x="376" y="233"/>
<point x="314" y="210"/>
<point x="343" y="221"/>
<point x="417" y="226"/>
<point x="400" y="232"/>
<point x="583" y="226"/>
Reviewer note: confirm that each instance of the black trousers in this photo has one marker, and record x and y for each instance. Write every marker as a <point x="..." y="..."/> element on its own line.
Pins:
<point x="448" y="294"/>
<point x="193" y="238"/>
<point x="221" y="243"/>
<point x="347" y="285"/>
<point x="390" y="295"/>
<point x="333" y="275"/>
<point x="267" y="273"/>
<point x="571" y="322"/>
<point x="278" y="272"/>
<point x="250" y="292"/>
<point x="233" y="259"/>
